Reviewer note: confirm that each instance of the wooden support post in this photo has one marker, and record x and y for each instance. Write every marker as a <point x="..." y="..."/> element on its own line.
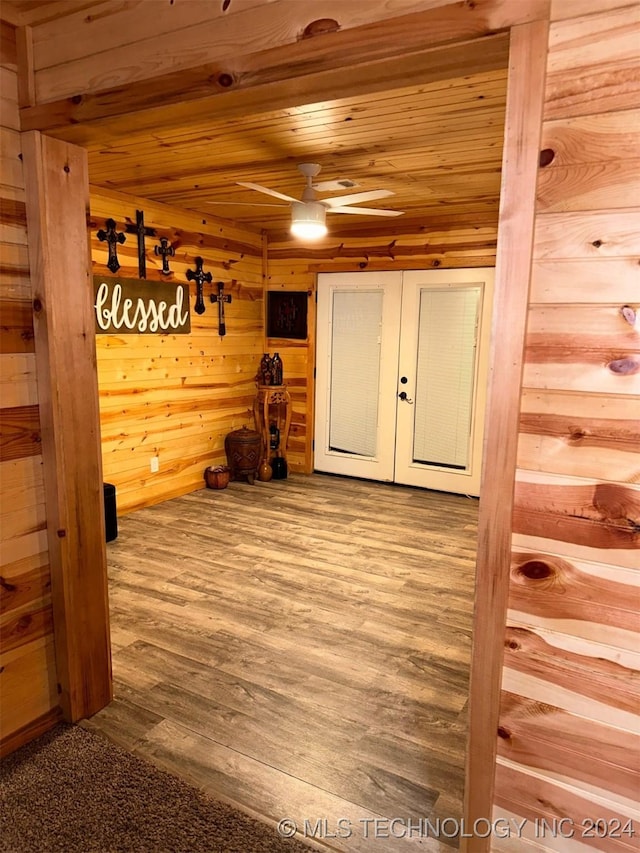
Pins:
<point x="57" y="196"/>
<point x="523" y="126"/>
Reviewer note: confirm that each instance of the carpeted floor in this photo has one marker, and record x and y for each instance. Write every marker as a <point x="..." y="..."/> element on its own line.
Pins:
<point x="71" y="791"/>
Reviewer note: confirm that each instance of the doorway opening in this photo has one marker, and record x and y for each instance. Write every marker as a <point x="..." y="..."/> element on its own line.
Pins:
<point x="439" y="585"/>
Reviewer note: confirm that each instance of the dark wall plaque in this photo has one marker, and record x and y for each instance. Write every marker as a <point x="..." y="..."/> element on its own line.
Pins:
<point x="128" y="306"/>
<point x="287" y="314"/>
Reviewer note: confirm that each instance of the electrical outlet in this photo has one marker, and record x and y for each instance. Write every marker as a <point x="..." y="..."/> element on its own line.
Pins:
<point x="155" y="464"/>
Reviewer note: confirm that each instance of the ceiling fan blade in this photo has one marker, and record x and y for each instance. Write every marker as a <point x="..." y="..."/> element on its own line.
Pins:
<point x="354" y="198"/>
<point x="369" y="211"/>
<point x="266" y="190"/>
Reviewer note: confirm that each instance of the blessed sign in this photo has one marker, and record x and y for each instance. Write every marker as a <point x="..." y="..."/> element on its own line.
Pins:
<point x="127" y="306"/>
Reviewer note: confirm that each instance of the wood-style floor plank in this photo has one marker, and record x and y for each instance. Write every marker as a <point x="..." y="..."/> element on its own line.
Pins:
<point x="300" y="648"/>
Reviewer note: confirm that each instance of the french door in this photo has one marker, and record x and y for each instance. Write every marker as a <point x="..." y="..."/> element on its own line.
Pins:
<point x="401" y="374"/>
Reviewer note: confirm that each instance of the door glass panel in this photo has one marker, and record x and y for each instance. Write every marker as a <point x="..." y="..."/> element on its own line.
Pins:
<point x="445" y="374"/>
<point x="355" y="371"/>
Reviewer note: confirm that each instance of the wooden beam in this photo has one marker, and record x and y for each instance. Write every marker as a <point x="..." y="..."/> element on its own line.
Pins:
<point x="57" y="195"/>
<point x="523" y="125"/>
<point x="91" y="48"/>
<point x="372" y="57"/>
<point x="253" y="83"/>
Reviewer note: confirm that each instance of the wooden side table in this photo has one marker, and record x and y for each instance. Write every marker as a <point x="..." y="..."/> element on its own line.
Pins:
<point x="272" y="405"/>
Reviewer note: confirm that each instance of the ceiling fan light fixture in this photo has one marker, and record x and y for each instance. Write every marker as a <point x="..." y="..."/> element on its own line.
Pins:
<point x="308" y="220"/>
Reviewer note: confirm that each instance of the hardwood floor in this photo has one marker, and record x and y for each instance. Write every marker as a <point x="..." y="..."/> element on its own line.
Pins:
<point x="300" y="648"/>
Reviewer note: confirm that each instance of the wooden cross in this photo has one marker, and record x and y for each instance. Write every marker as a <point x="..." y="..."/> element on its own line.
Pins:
<point x="112" y="237"/>
<point x="165" y="251"/>
<point x="142" y="232"/>
<point x="199" y="276"/>
<point x="220" y="298"/>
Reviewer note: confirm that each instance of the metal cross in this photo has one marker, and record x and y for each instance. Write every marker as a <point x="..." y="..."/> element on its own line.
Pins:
<point x="165" y="251"/>
<point x="220" y="298"/>
<point x="199" y="276"/>
<point x="142" y="232"/>
<point x="111" y="237"/>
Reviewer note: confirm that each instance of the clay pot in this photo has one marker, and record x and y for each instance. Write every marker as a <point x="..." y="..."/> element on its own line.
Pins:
<point x="218" y="477"/>
<point x="265" y="472"/>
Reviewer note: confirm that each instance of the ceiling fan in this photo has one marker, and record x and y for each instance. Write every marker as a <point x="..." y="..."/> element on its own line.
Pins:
<point x="308" y="214"/>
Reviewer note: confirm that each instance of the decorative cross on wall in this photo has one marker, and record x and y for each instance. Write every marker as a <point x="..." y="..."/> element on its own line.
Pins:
<point x="142" y="232"/>
<point x="220" y="298"/>
<point x="111" y="237"/>
<point x="165" y="251"/>
<point x="199" y="276"/>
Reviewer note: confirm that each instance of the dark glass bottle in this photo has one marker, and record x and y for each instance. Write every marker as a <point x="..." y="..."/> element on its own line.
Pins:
<point x="276" y="369"/>
<point x="274" y="437"/>
<point x="265" y="370"/>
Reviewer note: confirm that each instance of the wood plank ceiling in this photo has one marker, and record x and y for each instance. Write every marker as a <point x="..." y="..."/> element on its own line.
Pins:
<point x="437" y="146"/>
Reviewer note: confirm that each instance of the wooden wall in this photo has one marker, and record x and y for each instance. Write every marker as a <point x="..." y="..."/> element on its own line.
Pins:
<point x="566" y="729"/>
<point x="568" y="738"/>
<point x="27" y="664"/>
<point x="292" y="266"/>
<point x="177" y="396"/>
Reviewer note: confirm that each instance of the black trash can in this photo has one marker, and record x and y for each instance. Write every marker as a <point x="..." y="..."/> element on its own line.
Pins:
<point x="110" y="517"/>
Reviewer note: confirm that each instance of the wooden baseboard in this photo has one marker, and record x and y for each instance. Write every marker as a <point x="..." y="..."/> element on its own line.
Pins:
<point x="32" y="730"/>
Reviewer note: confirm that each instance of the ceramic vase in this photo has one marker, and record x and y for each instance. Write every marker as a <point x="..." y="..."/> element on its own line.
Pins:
<point x="265" y="472"/>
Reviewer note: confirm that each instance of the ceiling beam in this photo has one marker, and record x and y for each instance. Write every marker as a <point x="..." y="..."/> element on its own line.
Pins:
<point x="249" y="84"/>
<point x="410" y="49"/>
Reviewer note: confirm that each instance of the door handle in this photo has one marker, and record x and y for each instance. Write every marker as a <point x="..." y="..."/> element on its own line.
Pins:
<point x="403" y="396"/>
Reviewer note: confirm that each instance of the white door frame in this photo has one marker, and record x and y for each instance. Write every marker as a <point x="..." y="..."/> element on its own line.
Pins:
<point x="393" y="460"/>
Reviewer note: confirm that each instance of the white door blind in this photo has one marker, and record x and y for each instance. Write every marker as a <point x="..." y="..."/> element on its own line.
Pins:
<point x="445" y="376"/>
<point x="355" y="371"/>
